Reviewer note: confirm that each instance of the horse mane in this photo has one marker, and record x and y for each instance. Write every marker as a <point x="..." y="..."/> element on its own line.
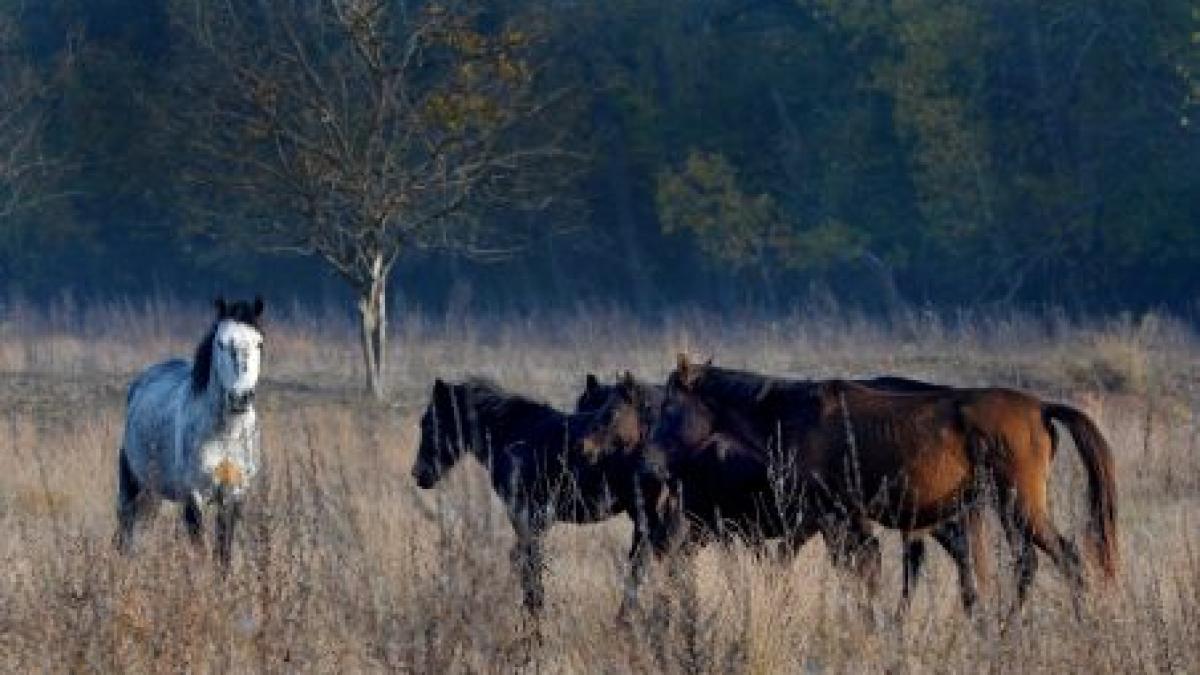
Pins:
<point x="649" y="394"/>
<point x="202" y="361"/>
<point x="736" y="387"/>
<point x="489" y="398"/>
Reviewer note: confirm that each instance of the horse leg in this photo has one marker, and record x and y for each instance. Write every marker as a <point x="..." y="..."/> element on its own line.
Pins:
<point x="134" y="504"/>
<point x="914" y="560"/>
<point x="1045" y="535"/>
<point x="228" y="515"/>
<point x="639" y="552"/>
<point x="193" y="520"/>
<point x="868" y="562"/>
<point x="681" y="569"/>
<point x="956" y="537"/>
<point x="528" y="562"/>
<point x="1020" y="539"/>
<point x="650" y="536"/>
<point x="796" y="535"/>
<point x="852" y="546"/>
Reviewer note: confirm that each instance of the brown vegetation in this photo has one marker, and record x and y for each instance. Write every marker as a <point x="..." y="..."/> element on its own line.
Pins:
<point x="347" y="567"/>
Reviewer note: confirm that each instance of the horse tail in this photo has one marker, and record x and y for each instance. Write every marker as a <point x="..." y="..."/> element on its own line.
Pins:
<point x="1097" y="458"/>
<point x="127" y="483"/>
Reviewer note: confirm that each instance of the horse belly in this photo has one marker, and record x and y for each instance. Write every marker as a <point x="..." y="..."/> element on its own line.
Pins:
<point x="928" y="486"/>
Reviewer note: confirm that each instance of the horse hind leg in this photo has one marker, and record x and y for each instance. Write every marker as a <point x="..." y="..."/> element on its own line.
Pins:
<point x="958" y="537"/>
<point x="1063" y="553"/>
<point x="1020" y="540"/>
<point x="527" y="560"/>
<point x="853" y="547"/>
<point x="132" y="504"/>
<point x="1030" y="505"/>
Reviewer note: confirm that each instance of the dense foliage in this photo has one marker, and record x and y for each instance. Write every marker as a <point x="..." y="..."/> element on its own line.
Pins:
<point x="944" y="151"/>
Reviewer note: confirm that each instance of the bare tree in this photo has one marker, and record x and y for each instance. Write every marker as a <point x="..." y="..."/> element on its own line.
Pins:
<point x="358" y="130"/>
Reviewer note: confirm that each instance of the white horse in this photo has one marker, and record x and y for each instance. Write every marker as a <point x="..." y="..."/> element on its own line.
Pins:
<point x="191" y="433"/>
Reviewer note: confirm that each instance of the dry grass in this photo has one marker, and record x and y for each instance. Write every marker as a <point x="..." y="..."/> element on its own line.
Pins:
<point x="344" y="566"/>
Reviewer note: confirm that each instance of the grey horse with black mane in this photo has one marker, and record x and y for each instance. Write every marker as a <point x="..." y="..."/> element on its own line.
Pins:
<point x="191" y="432"/>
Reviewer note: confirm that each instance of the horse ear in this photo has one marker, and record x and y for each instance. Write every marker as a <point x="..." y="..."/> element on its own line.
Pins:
<point x="627" y="387"/>
<point x="591" y="383"/>
<point x="688" y="372"/>
<point x="221" y="307"/>
<point x="259" y="306"/>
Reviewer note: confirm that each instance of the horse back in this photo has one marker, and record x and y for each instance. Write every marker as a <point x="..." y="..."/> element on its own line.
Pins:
<point x="159" y="377"/>
<point x="1004" y="424"/>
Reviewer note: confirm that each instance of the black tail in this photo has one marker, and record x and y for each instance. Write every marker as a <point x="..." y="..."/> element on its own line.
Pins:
<point x="127" y="485"/>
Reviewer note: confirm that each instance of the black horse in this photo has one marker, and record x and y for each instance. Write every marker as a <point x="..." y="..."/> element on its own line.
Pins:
<point x="539" y="464"/>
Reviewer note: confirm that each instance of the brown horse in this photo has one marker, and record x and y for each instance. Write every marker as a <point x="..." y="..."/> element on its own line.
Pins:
<point x="627" y="410"/>
<point x="537" y="464"/>
<point x="909" y="460"/>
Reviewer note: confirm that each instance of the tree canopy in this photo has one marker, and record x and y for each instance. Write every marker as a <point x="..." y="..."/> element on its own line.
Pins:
<point x="731" y="151"/>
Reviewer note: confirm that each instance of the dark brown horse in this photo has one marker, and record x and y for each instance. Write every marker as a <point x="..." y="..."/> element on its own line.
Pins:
<point x="909" y="460"/>
<point x="627" y="410"/>
<point x="537" y="464"/>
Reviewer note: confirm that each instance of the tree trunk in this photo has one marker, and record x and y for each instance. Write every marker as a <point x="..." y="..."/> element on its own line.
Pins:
<point x="372" y="312"/>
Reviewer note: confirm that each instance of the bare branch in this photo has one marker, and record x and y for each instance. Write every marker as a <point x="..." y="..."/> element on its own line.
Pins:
<point x="368" y="131"/>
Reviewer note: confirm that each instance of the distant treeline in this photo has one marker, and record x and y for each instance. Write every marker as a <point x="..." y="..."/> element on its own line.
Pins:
<point x="726" y="152"/>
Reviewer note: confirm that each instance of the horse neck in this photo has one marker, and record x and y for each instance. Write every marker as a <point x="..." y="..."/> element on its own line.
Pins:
<point x="738" y="419"/>
<point x="209" y="402"/>
<point x="502" y="426"/>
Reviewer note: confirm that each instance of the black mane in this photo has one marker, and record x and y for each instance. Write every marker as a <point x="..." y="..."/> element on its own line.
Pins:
<point x="488" y="398"/>
<point x="202" y="361"/>
<point x="738" y="387"/>
<point x="649" y="396"/>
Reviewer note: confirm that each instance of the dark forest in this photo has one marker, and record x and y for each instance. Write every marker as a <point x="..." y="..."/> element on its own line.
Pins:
<point x="726" y="153"/>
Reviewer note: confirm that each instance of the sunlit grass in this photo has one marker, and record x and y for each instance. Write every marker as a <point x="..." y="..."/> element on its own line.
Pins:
<point x="345" y="566"/>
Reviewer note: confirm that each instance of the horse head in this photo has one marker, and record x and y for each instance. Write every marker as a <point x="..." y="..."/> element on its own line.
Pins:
<point x="441" y="441"/>
<point x="235" y="348"/>
<point x="623" y="414"/>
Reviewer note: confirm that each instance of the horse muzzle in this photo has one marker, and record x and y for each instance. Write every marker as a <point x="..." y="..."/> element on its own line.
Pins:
<point x="241" y="401"/>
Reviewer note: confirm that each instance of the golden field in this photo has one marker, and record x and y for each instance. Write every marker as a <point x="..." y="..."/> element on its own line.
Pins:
<point x="343" y="565"/>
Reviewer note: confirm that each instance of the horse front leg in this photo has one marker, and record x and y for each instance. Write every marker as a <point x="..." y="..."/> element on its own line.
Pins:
<point x="647" y="528"/>
<point x="853" y="547"/>
<point x="193" y="520"/>
<point x="528" y="561"/>
<point x="639" y="554"/>
<point x="229" y="512"/>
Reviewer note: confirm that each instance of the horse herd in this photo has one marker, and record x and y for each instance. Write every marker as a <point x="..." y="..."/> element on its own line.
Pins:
<point x="710" y="454"/>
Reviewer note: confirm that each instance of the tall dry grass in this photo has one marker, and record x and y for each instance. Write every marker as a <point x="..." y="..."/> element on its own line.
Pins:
<point x="345" y="566"/>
